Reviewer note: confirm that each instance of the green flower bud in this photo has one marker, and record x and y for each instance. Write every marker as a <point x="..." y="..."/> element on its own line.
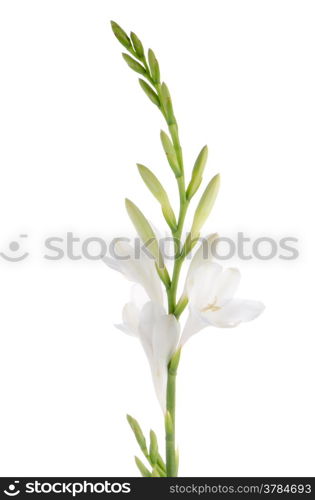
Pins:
<point x="152" y="95"/>
<point x="133" y="64"/>
<point x="167" y="104"/>
<point x="154" y="66"/>
<point x="205" y="205"/>
<point x="197" y="172"/>
<point x="170" y="153"/>
<point x="137" y="45"/>
<point x="142" y="468"/>
<point x="138" y="434"/>
<point x="120" y="34"/>
<point x="159" y="193"/>
<point x="153" y="448"/>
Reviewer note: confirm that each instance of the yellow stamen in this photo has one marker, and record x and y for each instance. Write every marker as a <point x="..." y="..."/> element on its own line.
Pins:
<point x="212" y="306"/>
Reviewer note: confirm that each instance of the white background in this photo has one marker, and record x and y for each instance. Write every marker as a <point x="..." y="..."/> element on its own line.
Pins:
<point x="73" y="124"/>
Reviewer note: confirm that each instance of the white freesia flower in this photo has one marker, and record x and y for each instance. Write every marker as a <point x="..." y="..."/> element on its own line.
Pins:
<point x="210" y="291"/>
<point x="139" y="269"/>
<point x="158" y="333"/>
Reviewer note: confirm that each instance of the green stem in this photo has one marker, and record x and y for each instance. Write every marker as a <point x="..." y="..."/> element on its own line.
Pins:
<point x="171" y="461"/>
<point x="171" y="466"/>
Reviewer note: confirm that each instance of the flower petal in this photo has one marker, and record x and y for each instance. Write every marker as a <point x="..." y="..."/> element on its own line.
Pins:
<point x="226" y="285"/>
<point x="202" y="291"/>
<point x="137" y="268"/>
<point x="148" y="318"/>
<point x="195" y="322"/>
<point x="235" y="312"/>
<point x="202" y="255"/>
<point x="165" y="340"/>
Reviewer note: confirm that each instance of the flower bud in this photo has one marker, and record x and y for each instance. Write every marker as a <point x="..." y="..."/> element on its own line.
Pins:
<point x="159" y="193"/>
<point x="120" y="34"/>
<point x="137" y="45"/>
<point x="142" y="468"/>
<point x="167" y="104"/>
<point x="138" y="434"/>
<point x="154" y="451"/>
<point x="133" y="64"/>
<point x="205" y="205"/>
<point x="197" y="173"/>
<point x="154" y="66"/>
<point x="152" y="95"/>
<point x="170" y="153"/>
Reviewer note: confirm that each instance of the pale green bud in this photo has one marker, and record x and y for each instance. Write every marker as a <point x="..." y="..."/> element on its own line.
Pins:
<point x="159" y="193"/>
<point x="152" y="95"/>
<point x="196" y="176"/>
<point x="121" y="35"/>
<point x="137" y="45"/>
<point x="138" y="434"/>
<point x="167" y="104"/>
<point x="154" y="66"/>
<point x="153" y="448"/>
<point x="142" y="468"/>
<point x="133" y="64"/>
<point x="205" y="205"/>
<point x="170" y="153"/>
<point x="148" y="237"/>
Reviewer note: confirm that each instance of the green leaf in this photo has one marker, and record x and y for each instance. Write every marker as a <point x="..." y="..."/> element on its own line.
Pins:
<point x="170" y="153"/>
<point x="152" y="95"/>
<point x="142" y="468"/>
<point x="154" y="66"/>
<point x="137" y="45"/>
<point x="133" y="64"/>
<point x="154" y="451"/>
<point x="159" y="193"/>
<point x="121" y="35"/>
<point x="196" y="177"/>
<point x="205" y="205"/>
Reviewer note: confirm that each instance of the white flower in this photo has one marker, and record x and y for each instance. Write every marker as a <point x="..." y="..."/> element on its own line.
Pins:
<point x="139" y="269"/>
<point x="210" y="291"/>
<point x="158" y="333"/>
